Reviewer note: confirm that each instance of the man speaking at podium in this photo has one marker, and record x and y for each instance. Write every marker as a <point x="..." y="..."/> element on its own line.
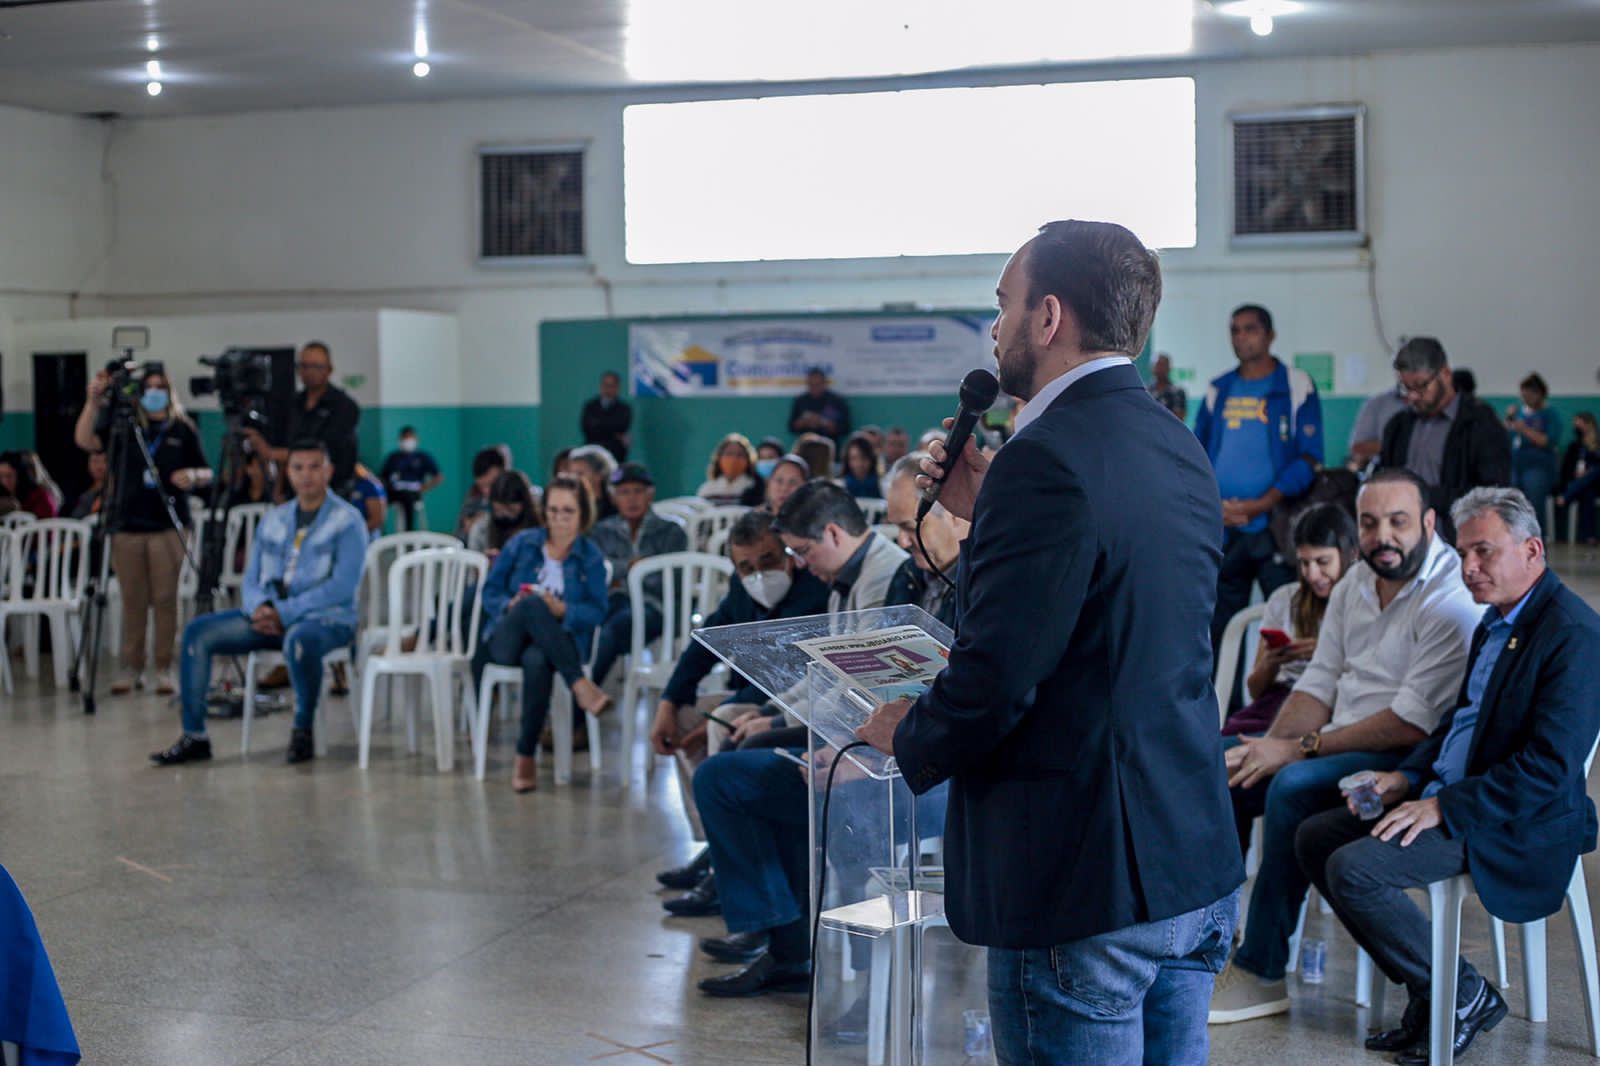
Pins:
<point x="1089" y="837"/>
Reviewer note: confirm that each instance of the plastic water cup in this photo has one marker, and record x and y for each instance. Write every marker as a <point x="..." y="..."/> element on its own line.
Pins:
<point x="1362" y="789"/>
<point x="979" y="1040"/>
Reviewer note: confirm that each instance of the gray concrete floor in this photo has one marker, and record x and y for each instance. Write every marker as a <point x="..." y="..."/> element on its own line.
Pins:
<point x="248" y="912"/>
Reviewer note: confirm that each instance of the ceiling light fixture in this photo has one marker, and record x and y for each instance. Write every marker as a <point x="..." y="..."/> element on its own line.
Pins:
<point x="154" y="88"/>
<point x="153" y="69"/>
<point x="420" y="69"/>
<point x="1261" y="13"/>
<point x="1261" y="25"/>
<point x="420" y="42"/>
<point x="152" y="43"/>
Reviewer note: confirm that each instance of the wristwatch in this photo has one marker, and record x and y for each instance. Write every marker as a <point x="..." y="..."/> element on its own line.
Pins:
<point x="1311" y="744"/>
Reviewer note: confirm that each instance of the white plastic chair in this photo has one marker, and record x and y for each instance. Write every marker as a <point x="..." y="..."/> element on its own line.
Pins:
<point x="237" y="537"/>
<point x="680" y="510"/>
<point x="1233" y="638"/>
<point x="496" y="677"/>
<point x="380" y="558"/>
<point x="17" y="519"/>
<point x="443" y="617"/>
<point x="707" y="523"/>
<point x="691" y="585"/>
<point x="319" y="735"/>
<point x="718" y="544"/>
<point x="1444" y="902"/>
<point x="55" y="552"/>
<point x="873" y="509"/>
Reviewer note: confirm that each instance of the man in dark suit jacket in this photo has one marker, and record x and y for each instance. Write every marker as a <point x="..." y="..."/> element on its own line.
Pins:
<point x="1447" y="437"/>
<point x="1087" y="842"/>
<point x="1500" y="783"/>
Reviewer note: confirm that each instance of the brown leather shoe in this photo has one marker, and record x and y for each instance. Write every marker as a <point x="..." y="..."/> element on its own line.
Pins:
<point x="525" y="774"/>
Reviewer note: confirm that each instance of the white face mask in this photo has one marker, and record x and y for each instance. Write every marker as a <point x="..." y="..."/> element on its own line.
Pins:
<point x="767" y="587"/>
<point x="409" y="444"/>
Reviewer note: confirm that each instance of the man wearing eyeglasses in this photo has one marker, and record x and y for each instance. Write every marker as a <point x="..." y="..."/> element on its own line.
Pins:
<point x="1451" y="440"/>
<point x="324" y="412"/>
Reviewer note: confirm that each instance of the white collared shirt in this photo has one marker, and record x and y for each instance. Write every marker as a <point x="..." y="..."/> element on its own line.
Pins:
<point x="1047" y="395"/>
<point x="1409" y="657"/>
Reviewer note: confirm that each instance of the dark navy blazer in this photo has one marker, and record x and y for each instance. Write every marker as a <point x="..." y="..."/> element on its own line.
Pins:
<point x="1076" y="719"/>
<point x="1523" y="810"/>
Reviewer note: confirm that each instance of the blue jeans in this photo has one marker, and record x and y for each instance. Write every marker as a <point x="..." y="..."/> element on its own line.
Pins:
<point x="528" y="635"/>
<point x="1533" y="471"/>
<point x="229" y="633"/>
<point x="616" y="635"/>
<point x="1134" y="995"/>
<point x="1293" y="794"/>
<point x="754" y="805"/>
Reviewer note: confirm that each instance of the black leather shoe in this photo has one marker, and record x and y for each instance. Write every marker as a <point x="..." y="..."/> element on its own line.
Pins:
<point x="1413" y="1030"/>
<point x="760" y="977"/>
<point x="687" y="876"/>
<point x="698" y="902"/>
<point x="1481" y="1015"/>
<point x="187" y="749"/>
<point x="736" y="947"/>
<point x="302" y="747"/>
<point x="850" y="1028"/>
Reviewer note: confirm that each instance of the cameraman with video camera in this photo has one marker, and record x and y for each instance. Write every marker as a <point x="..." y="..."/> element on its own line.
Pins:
<point x="323" y="412"/>
<point x="146" y="510"/>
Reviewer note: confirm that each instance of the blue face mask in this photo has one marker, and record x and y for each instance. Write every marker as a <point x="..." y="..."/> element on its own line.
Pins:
<point x="765" y="467"/>
<point x="154" y="400"/>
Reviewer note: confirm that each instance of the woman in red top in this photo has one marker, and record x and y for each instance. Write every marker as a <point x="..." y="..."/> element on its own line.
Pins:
<point x="18" y="482"/>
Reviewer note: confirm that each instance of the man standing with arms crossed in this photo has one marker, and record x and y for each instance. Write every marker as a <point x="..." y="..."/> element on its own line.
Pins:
<point x="1088" y="841"/>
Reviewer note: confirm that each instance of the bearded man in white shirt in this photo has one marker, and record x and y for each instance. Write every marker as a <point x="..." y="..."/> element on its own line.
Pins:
<point x="1390" y="657"/>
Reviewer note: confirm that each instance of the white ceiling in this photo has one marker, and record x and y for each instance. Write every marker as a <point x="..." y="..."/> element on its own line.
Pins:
<point x="222" y="56"/>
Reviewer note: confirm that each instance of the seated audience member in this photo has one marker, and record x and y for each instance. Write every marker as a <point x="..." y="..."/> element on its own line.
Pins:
<point x="1325" y="543"/>
<point x="410" y="473"/>
<point x="818" y="452"/>
<point x="368" y="497"/>
<point x="788" y="474"/>
<point x="731" y="477"/>
<point x="20" y="481"/>
<point x="561" y="465"/>
<point x="755" y="807"/>
<point x="1498" y="789"/>
<point x="819" y="409"/>
<point x="634" y="533"/>
<point x="768" y="452"/>
<point x="1390" y="655"/>
<point x="769" y="586"/>
<point x="595" y="465"/>
<point x="487" y="466"/>
<point x="929" y="436"/>
<point x="824" y="531"/>
<point x="512" y="509"/>
<point x="542" y="600"/>
<point x="874" y="435"/>
<point x="253" y="481"/>
<point x="861" y="469"/>
<point x="93" y="497"/>
<point x="299" y="596"/>
<point x="1366" y="436"/>
<point x="918" y="579"/>
<point x="1446" y="436"/>
<point x="1580" y="475"/>
<point x="896" y="444"/>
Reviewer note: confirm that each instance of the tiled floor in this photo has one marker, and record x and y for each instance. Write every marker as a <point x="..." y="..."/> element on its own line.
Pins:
<point x="248" y="912"/>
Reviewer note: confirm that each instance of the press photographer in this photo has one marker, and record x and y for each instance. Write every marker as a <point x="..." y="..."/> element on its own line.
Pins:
<point x="324" y="412"/>
<point x="160" y="462"/>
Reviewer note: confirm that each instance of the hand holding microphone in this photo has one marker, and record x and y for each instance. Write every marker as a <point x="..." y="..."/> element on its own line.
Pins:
<point x="954" y="469"/>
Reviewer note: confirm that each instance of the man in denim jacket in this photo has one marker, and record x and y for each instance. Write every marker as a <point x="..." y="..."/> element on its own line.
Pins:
<point x="299" y="595"/>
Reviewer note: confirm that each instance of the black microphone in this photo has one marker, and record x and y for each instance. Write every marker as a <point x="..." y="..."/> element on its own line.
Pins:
<point x="978" y="391"/>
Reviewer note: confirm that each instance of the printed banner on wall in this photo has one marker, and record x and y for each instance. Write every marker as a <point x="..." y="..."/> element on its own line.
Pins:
<point x="913" y="356"/>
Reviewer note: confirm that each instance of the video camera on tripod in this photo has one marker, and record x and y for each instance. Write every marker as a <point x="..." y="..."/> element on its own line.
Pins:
<point x="241" y="380"/>
<point x="127" y="380"/>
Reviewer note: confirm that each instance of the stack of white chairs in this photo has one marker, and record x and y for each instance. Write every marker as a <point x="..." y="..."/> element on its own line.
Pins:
<point x="434" y="595"/>
<point x="681" y="509"/>
<point x="46" y="571"/>
<point x="692" y="584"/>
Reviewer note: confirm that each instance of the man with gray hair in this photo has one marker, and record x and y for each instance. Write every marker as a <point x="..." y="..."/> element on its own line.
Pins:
<point x="596" y="465"/>
<point x="1497" y="790"/>
<point x="1450" y="439"/>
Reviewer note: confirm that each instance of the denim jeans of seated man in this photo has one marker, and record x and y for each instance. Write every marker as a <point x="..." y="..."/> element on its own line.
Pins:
<point x="616" y="635"/>
<point x="1135" y="995"/>
<point x="228" y="633"/>
<point x="1293" y="794"/>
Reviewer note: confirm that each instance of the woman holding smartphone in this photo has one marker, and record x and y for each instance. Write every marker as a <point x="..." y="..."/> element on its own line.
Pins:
<point x="1325" y="545"/>
<point x="542" y="600"/>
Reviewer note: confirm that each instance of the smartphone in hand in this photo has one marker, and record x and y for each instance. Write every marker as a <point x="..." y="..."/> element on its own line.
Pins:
<point x="1276" y="638"/>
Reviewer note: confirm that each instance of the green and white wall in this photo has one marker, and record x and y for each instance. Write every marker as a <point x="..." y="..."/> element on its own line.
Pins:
<point x="1481" y="166"/>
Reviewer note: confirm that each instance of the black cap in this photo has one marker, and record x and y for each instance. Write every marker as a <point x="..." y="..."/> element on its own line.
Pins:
<point x="634" y="472"/>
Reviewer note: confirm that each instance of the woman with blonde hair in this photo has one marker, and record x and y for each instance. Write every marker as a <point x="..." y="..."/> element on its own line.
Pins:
<point x="148" y="494"/>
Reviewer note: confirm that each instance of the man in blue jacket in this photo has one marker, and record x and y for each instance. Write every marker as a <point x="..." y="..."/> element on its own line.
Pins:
<point x="1261" y="424"/>
<point x="1499" y="786"/>
<point x="299" y="595"/>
